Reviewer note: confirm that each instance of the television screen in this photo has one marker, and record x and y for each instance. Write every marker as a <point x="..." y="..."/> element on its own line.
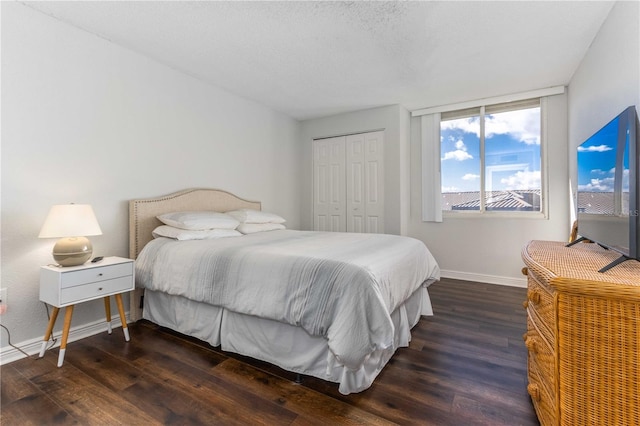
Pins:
<point x="607" y="185"/>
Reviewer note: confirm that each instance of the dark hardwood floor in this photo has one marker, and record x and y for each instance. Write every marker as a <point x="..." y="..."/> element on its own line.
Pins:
<point x="466" y="365"/>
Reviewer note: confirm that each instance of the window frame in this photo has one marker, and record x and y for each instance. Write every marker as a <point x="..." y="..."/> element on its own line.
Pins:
<point x="448" y="114"/>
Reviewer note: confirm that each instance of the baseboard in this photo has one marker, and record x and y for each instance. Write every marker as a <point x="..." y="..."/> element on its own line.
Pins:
<point x="489" y="279"/>
<point x="32" y="347"/>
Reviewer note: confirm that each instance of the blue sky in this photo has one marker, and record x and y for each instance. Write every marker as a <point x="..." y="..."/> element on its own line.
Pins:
<point x="512" y="152"/>
<point x="597" y="161"/>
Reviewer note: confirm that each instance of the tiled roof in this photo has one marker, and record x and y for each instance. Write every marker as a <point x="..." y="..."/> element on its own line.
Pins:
<point x="528" y="200"/>
<point x="513" y="200"/>
<point x="600" y="202"/>
<point x="451" y="199"/>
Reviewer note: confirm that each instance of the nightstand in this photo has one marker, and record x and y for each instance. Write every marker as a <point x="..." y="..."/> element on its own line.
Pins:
<point x="67" y="286"/>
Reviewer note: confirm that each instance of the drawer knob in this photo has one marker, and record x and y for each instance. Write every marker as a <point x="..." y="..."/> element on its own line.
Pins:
<point x="534" y="391"/>
<point x="531" y="344"/>
<point x="100" y="274"/>
<point x="534" y="296"/>
<point x="100" y="289"/>
<point x="525" y="271"/>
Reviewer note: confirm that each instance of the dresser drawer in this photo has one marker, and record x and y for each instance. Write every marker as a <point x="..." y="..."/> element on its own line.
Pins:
<point x="541" y="357"/>
<point x="71" y="295"/>
<point x="91" y="275"/>
<point x="543" y="403"/>
<point x="540" y="300"/>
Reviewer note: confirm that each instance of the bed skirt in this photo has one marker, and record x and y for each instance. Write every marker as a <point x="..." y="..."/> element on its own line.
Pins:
<point x="284" y="345"/>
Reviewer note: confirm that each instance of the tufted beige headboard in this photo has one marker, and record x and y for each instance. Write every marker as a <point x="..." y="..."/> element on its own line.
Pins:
<point x="143" y="220"/>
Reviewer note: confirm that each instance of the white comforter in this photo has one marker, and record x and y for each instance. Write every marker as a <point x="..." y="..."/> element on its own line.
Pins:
<point x="342" y="286"/>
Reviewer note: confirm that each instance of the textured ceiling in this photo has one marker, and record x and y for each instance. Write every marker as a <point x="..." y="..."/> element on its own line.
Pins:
<point x="312" y="59"/>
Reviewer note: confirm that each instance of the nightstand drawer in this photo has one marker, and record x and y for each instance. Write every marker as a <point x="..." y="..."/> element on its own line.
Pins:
<point x="66" y="286"/>
<point x="91" y="275"/>
<point x="94" y="290"/>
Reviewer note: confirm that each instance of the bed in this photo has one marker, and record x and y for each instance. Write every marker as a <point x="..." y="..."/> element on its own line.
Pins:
<point x="330" y="305"/>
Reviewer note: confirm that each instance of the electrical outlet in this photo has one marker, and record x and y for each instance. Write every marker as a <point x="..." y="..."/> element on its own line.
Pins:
<point x="3" y="300"/>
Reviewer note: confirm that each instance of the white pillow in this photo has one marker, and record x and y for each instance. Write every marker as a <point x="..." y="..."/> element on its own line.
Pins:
<point x="199" y="220"/>
<point x="255" y="216"/>
<point x="251" y="228"/>
<point x="190" y="234"/>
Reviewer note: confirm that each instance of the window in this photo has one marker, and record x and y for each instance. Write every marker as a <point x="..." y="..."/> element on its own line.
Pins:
<point x="491" y="158"/>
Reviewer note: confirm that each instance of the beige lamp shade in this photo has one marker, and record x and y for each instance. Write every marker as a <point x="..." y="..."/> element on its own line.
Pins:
<point x="71" y="223"/>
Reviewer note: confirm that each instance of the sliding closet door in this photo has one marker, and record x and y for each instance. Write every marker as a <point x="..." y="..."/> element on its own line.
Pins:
<point x="329" y="184"/>
<point x="365" y="180"/>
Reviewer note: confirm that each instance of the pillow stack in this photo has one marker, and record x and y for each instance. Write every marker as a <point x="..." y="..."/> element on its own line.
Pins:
<point x="205" y="225"/>
<point x="196" y="225"/>
<point x="252" y="221"/>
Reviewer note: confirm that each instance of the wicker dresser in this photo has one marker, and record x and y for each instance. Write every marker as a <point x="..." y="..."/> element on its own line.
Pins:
<point x="583" y="335"/>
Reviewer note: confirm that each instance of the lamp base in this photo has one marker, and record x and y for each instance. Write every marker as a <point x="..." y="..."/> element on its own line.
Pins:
<point x="72" y="251"/>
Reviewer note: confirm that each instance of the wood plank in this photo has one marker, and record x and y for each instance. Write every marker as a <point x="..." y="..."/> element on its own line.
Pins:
<point x="169" y="403"/>
<point x="36" y="410"/>
<point x="315" y="407"/>
<point x="14" y="386"/>
<point x="229" y="399"/>
<point x="86" y="400"/>
<point x="106" y="369"/>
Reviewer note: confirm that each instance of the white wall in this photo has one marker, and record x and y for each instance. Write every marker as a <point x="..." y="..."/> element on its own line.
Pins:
<point x="86" y="121"/>
<point x="388" y="118"/>
<point x="487" y="248"/>
<point x="608" y="78"/>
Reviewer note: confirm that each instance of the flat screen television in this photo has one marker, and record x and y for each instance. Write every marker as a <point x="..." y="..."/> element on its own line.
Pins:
<point x="608" y="187"/>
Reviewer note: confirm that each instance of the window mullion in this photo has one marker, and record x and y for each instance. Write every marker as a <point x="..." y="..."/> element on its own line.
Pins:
<point x="482" y="162"/>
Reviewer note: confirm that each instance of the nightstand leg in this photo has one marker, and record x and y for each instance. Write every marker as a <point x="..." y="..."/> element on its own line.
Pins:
<point x="47" y="334"/>
<point x="68" y="313"/>
<point x="107" y="310"/>
<point x="122" y="317"/>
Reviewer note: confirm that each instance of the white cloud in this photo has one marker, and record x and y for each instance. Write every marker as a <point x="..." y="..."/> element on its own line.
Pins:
<point x="522" y="180"/>
<point x="523" y="125"/>
<point x="599" y="148"/>
<point x="598" y="185"/>
<point x="446" y="189"/>
<point x="598" y="172"/>
<point x="467" y="125"/>
<point x="458" y="155"/>
<point x="470" y="176"/>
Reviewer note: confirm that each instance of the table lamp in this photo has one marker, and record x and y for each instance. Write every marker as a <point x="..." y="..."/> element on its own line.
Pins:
<point x="72" y="223"/>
